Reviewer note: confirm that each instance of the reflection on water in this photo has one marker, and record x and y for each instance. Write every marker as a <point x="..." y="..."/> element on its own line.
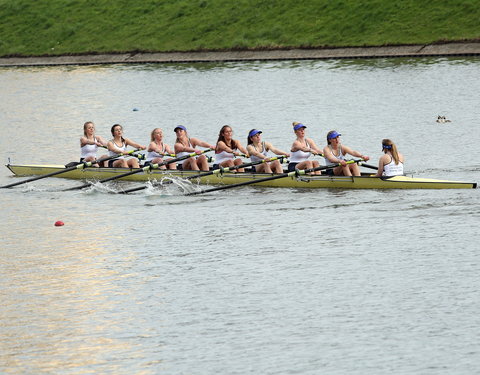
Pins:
<point x="253" y="279"/>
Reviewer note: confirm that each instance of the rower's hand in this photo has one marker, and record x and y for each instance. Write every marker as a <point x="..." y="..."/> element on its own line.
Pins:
<point x="142" y="147"/>
<point x="198" y="152"/>
<point x="366" y="158"/>
<point x="343" y="163"/>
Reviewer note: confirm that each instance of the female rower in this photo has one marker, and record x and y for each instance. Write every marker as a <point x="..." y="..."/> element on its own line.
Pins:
<point x="185" y="145"/>
<point x="90" y="143"/>
<point x="390" y="164"/>
<point x="227" y="148"/>
<point x="335" y="153"/>
<point x="302" y="149"/>
<point x="258" y="151"/>
<point x="118" y="146"/>
<point x="157" y="150"/>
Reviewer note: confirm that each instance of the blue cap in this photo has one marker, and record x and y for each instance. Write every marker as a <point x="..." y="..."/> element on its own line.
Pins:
<point x="253" y="132"/>
<point x="333" y="134"/>
<point x="299" y="126"/>
<point x="180" y="127"/>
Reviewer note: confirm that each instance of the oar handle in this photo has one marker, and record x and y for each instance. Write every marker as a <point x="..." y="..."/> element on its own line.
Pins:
<point x="131" y="152"/>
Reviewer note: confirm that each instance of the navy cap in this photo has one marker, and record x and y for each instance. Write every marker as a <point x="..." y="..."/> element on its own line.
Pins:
<point x="299" y="126"/>
<point x="253" y="132"/>
<point x="180" y="127"/>
<point x="333" y="134"/>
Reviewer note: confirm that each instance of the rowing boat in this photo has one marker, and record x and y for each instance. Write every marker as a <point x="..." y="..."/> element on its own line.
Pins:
<point x="311" y="182"/>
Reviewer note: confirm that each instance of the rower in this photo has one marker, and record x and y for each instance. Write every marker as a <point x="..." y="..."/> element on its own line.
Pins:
<point x="258" y="150"/>
<point x="157" y="150"/>
<point x="302" y="149"/>
<point x="391" y="163"/>
<point x="118" y="146"/>
<point x="185" y="145"/>
<point x="335" y="153"/>
<point x="227" y="149"/>
<point x="89" y="143"/>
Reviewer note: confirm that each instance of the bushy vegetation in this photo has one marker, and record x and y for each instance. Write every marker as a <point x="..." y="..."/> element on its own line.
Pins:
<point x="53" y="27"/>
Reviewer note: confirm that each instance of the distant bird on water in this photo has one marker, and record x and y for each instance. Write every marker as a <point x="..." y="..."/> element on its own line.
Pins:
<point x="442" y="119"/>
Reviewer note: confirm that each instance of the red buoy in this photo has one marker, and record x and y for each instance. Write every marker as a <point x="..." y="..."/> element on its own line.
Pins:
<point x="59" y="223"/>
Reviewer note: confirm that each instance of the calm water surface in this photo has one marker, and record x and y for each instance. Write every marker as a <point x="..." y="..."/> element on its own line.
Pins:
<point x="252" y="280"/>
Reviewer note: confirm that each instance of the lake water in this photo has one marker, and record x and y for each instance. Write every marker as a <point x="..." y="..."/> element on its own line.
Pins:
<point x="249" y="280"/>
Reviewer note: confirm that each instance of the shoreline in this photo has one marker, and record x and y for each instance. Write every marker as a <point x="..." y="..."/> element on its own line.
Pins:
<point x="427" y="50"/>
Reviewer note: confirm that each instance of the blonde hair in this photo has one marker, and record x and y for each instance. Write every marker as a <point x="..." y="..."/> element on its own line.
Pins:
<point x="85" y="127"/>
<point x="388" y="145"/>
<point x="152" y="137"/>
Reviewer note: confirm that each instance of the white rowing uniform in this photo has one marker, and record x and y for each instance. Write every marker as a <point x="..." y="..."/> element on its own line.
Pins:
<point x="153" y="154"/>
<point x="123" y="147"/>
<point x="392" y="169"/>
<point x="340" y="156"/>
<point x="89" y="150"/>
<point x="264" y="152"/>
<point x="224" y="156"/>
<point x="184" y="153"/>
<point x="299" y="155"/>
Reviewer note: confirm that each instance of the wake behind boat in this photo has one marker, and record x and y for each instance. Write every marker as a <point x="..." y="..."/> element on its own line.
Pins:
<point x="366" y="181"/>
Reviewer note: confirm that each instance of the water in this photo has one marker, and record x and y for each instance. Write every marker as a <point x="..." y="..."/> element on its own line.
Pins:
<point x="250" y="280"/>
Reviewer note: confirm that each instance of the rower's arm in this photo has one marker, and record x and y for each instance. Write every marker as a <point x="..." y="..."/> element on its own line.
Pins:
<point x="111" y="147"/>
<point x="348" y="150"/>
<point x="198" y="142"/>
<point x="313" y="147"/>
<point x="134" y="144"/>
<point x="381" y="163"/>
<point x="251" y="151"/>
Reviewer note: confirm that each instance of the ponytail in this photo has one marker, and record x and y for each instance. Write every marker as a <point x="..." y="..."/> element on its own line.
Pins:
<point x="388" y="145"/>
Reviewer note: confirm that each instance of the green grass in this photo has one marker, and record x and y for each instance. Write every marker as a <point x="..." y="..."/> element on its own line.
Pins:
<point x="54" y="27"/>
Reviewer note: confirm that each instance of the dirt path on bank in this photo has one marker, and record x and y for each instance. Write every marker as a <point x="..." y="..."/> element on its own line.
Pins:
<point x="448" y="49"/>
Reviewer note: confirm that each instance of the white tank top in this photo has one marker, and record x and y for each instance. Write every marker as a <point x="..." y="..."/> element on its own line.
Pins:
<point x="89" y="150"/>
<point x="153" y="154"/>
<point x="392" y="169"/>
<point x="122" y="147"/>
<point x="264" y="152"/>
<point x="340" y="156"/>
<point x="184" y="153"/>
<point x="299" y="156"/>
<point x="224" y="156"/>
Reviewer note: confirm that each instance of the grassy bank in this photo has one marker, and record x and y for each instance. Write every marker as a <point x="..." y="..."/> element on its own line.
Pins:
<point x="56" y="27"/>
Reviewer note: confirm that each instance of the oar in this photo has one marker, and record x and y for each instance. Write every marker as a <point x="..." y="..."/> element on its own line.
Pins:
<point x="215" y="171"/>
<point x="139" y="156"/>
<point x="295" y="173"/>
<point x="77" y="166"/>
<point x="368" y="165"/>
<point x="144" y="169"/>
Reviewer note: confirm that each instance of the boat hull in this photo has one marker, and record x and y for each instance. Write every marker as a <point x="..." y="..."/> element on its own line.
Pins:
<point x="310" y="182"/>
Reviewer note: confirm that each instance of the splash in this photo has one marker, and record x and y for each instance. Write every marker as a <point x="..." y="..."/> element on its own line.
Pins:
<point x="170" y="186"/>
<point x="98" y="187"/>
